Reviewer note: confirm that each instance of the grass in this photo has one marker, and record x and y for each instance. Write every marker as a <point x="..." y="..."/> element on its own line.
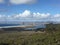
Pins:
<point x="32" y="38"/>
<point x="19" y="38"/>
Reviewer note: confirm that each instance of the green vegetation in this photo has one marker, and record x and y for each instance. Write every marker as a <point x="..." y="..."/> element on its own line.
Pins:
<point x="51" y="36"/>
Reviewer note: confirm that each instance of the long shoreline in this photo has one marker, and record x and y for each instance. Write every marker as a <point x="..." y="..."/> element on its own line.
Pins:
<point x="21" y="26"/>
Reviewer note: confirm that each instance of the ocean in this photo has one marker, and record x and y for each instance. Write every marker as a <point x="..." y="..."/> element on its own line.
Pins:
<point x="36" y="26"/>
<point x="3" y="25"/>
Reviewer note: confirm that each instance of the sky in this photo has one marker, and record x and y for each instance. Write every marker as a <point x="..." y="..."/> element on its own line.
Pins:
<point x="29" y="10"/>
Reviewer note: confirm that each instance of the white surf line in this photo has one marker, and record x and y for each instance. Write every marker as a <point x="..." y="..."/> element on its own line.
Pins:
<point x="22" y="26"/>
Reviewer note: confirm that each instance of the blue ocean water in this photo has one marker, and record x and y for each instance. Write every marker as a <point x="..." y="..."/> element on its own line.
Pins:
<point x="2" y="25"/>
<point x="37" y="26"/>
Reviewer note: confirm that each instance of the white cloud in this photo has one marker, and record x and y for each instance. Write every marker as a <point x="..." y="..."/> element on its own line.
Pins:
<point x="1" y="1"/>
<point x="39" y="15"/>
<point x="22" y="1"/>
<point x="28" y="15"/>
<point x="25" y="14"/>
<point x="57" y="15"/>
<point x="19" y="1"/>
<point x="45" y="15"/>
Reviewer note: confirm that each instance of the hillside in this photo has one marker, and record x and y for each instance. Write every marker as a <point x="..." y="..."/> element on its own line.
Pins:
<point x="51" y="36"/>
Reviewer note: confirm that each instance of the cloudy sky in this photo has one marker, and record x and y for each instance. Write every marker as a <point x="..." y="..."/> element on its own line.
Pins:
<point x="29" y="10"/>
